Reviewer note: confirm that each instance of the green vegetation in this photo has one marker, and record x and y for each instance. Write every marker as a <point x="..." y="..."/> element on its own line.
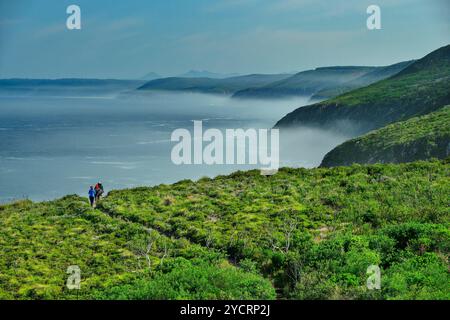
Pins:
<point x="418" y="138"/>
<point x="40" y="240"/>
<point x="300" y="234"/>
<point x="199" y="280"/>
<point x="421" y="88"/>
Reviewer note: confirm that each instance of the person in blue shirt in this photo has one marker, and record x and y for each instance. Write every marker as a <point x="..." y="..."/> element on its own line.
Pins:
<point x="91" y="196"/>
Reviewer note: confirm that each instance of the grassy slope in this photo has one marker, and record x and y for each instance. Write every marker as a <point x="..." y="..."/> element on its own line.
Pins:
<point x="40" y="240"/>
<point x="421" y="88"/>
<point x="312" y="233"/>
<point x="418" y="138"/>
<point x="209" y="85"/>
<point x="306" y="83"/>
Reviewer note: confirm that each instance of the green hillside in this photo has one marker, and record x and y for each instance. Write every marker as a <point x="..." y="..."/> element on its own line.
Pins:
<point x="421" y="88"/>
<point x="211" y="85"/>
<point x="418" y="138"/>
<point x="300" y="234"/>
<point x="306" y="83"/>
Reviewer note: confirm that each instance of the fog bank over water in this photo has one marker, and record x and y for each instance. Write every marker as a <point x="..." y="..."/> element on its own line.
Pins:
<point x="53" y="145"/>
<point x="306" y="147"/>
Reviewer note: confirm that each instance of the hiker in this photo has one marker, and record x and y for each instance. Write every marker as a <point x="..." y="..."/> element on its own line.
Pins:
<point x="98" y="191"/>
<point x="91" y="196"/>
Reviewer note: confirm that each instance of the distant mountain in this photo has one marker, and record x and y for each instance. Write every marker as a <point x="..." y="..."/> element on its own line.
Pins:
<point x="420" y="88"/>
<point x="206" y="74"/>
<point x="209" y="85"/>
<point x="151" y="76"/>
<point x="319" y="83"/>
<point x="376" y="75"/>
<point x="306" y="83"/>
<point x="68" y="82"/>
<point x="418" y="138"/>
<point x="70" y="86"/>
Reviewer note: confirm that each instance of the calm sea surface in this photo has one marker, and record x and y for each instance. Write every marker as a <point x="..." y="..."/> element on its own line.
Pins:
<point x="53" y="145"/>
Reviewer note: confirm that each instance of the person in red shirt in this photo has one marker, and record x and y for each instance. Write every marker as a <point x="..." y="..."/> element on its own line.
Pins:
<point x="98" y="191"/>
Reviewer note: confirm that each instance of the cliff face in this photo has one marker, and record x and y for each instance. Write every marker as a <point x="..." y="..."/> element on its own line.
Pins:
<point x="418" y="138"/>
<point x="420" y="149"/>
<point x="421" y="88"/>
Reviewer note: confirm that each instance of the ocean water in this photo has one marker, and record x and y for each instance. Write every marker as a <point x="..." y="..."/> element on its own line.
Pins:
<point x="53" y="145"/>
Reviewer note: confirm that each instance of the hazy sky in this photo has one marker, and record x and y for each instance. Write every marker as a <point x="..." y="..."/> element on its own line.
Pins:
<point x="128" y="39"/>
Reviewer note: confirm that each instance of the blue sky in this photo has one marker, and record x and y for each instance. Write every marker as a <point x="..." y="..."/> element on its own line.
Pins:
<point x="128" y="39"/>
